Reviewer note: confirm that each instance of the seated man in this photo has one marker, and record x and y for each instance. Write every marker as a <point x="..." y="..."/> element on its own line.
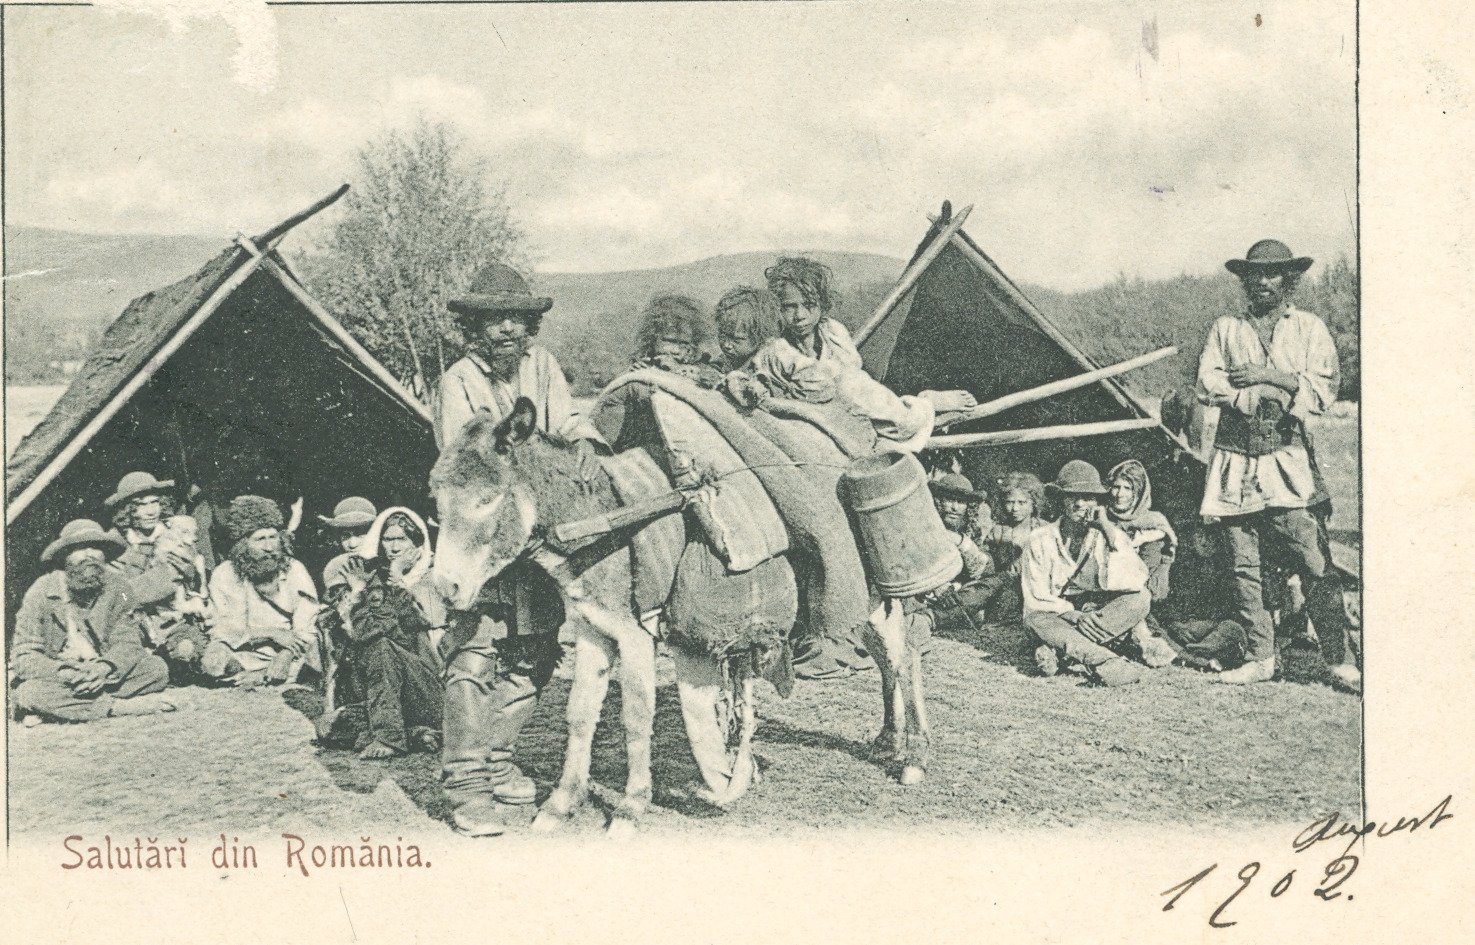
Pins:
<point x="389" y="672"/>
<point x="78" y="653"/>
<point x="264" y="601"/>
<point x="1084" y="586"/>
<point x="140" y="508"/>
<point x="958" y="505"/>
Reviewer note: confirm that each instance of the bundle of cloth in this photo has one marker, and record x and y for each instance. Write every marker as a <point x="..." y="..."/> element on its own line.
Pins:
<point x="764" y="484"/>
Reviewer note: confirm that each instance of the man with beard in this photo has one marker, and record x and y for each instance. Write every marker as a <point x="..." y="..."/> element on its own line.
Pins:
<point x="499" y="659"/>
<point x="265" y="603"/>
<point x="78" y="652"/>
<point x="1084" y="587"/>
<point x="1268" y="370"/>
<point x="958" y="506"/>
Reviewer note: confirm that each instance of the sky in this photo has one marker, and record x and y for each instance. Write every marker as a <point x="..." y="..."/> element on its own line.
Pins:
<point x="1092" y="139"/>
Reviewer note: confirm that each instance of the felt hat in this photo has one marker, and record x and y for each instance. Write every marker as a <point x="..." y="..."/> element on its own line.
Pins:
<point x="83" y="533"/>
<point x="1078" y="477"/>
<point x="1269" y="254"/>
<point x="497" y="287"/>
<point x="955" y="486"/>
<point x="248" y="514"/>
<point x="352" y="512"/>
<point x="136" y="484"/>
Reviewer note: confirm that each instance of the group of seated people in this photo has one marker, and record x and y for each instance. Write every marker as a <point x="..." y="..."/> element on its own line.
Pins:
<point x="1084" y="582"/>
<point x="124" y="612"/>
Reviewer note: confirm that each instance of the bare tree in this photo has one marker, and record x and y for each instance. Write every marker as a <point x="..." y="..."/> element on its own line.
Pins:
<point x="421" y="218"/>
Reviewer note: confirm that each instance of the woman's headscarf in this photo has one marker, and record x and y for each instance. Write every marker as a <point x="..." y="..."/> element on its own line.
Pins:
<point x="370" y="547"/>
<point x="1140" y="516"/>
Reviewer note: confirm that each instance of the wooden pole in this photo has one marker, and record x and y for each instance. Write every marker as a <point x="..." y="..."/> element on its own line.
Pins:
<point x="912" y="273"/>
<point x="1068" y="431"/>
<point x="1010" y="401"/>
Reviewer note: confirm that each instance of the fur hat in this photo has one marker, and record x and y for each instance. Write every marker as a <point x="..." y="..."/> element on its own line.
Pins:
<point x="250" y="513"/>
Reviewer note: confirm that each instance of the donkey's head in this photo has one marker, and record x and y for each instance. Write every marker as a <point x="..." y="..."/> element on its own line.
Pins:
<point x="486" y="509"/>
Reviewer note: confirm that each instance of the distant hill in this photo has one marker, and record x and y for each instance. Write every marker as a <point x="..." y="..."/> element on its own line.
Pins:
<point x="85" y="278"/>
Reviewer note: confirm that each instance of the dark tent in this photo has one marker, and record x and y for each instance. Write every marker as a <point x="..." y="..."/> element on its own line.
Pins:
<point x="956" y="321"/>
<point x="232" y="380"/>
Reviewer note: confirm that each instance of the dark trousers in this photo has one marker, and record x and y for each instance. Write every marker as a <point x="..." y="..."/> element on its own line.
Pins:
<point x="54" y="699"/>
<point x="1119" y="613"/>
<point x="1300" y="538"/>
<point x="491" y="689"/>
<point x="401" y="689"/>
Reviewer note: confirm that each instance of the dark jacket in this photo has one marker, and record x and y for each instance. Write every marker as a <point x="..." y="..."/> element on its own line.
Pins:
<point x="152" y="580"/>
<point x="111" y="623"/>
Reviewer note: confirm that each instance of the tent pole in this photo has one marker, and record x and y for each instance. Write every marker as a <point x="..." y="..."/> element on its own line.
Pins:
<point x="1068" y="431"/>
<point x="1010" y="401"/>
<point x="911" y="275"/>
<point x="134" y="385"/>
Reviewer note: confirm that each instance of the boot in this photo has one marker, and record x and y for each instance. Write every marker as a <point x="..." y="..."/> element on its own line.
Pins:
<point x="514" y="697"/>
<point x="479" y="817"/>
<point x="1251" y="672"/>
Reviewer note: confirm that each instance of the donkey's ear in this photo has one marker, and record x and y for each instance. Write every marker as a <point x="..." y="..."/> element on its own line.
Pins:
<point x="518" y="425"/>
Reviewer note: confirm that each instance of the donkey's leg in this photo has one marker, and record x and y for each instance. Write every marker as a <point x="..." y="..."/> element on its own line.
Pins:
<point x="913" y="631"/>
<point x="638" y="706"/>
<point x="889" y="740"/>
<point x="699" y="682"/>
<point x="593" y="655"/>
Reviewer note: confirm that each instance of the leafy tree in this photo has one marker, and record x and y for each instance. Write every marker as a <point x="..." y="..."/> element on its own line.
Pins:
<point x="421" y="218"/>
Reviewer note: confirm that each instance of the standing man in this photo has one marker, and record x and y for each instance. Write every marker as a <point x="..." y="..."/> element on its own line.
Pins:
<point x="499" y="659"/>
<point x="1268" y="370"/>
<point x="78" y="653"/>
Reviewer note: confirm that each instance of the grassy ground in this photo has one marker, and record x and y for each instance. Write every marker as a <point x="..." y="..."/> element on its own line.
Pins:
<point x="1012" y="751"/>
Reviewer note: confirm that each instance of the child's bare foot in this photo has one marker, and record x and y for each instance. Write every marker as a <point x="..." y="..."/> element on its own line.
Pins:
<point x="377" y="751"/>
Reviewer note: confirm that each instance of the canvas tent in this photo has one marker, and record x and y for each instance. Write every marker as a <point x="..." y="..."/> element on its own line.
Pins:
<point x="955" y="320"/>
<point x="231" y="380"/>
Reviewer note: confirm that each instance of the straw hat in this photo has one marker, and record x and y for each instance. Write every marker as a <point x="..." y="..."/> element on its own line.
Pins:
<point x="83" y="533"/>
<point x="1269" y="254"/>
<point x="497" y="287"/>
<point x="137" y="484"/>
<point x="352" y="512"/>
<point x="1078" y="477"/>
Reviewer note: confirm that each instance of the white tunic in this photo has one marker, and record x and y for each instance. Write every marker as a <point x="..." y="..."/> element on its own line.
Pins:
<point x="1301" y="345"/>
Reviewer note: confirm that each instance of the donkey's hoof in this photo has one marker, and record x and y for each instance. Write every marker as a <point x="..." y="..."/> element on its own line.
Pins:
<point x="622" y="828"/>
<point x="913" y="774"/>
<point x="549" y="821"/>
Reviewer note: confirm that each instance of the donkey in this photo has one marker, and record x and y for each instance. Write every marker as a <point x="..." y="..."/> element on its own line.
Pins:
<point x="499" y="489"/>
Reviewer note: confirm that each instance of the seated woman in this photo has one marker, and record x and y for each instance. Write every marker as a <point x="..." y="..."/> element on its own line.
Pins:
<point x="1130" y="507"/>
<point x="816" y="355"/>
<point x="389" y="669"/>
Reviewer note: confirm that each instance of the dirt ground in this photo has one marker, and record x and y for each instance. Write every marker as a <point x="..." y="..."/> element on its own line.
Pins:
<point x="1012" y="750"/>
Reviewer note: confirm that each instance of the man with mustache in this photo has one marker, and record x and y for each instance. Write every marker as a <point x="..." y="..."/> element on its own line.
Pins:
<point x="499" y="659"/>
<point x="1269" y="369"/>
<point x="78" y="653"/>
<point x="1084" y="587"/>
<point x="265" y="603"/>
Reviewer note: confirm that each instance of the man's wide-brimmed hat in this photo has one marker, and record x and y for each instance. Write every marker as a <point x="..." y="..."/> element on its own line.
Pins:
<point x="1078" y="477"/>
<point x="83" y="533"/>
<point x="497" y="287"/>
<point x="352" y="512"/>
<point x="1269" y="254"/>
<point x="955" y="486"/>
<point x="136" y="484"/>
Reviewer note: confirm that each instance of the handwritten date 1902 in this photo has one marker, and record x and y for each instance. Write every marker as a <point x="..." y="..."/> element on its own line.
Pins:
<point x="1334" y="875"/>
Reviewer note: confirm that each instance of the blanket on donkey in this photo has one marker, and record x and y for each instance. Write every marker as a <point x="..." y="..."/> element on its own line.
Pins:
<point x="655" y="547"/>
<point x="835" y="596"/>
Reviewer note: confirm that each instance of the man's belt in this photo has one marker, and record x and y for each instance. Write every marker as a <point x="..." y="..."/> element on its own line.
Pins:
<point x="1269" y="430"/>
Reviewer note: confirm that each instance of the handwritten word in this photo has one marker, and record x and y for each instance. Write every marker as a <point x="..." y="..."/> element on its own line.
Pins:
<point x="1332" y="825"/>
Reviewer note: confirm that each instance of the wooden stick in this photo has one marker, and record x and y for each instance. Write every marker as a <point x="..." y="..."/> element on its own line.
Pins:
<point x="1010" y="401"/>
<point x="619" y="518"/>
<point x="912" y="274"/>
<point x="1069" y="430"/>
